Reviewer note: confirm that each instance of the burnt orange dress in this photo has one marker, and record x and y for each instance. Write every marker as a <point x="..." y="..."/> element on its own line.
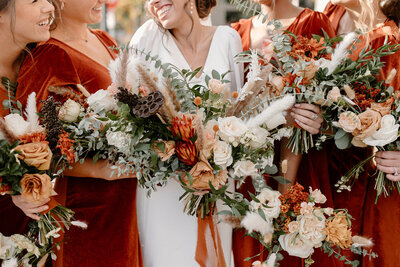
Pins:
<point x="313" y="169"/>
<point x="12" y="219"/>
<point x="335" y="14"/>
<point x="109" y="207"/>
<point x="381" y="221"/>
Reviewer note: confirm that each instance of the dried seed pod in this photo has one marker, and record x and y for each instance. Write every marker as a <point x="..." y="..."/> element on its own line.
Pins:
<point x="148" y="105"/>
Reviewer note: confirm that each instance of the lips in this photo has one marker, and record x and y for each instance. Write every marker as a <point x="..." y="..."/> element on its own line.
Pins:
<point x="46" y="22"/>
<point x="162" y="11"/>
<point x="98" y="9"/>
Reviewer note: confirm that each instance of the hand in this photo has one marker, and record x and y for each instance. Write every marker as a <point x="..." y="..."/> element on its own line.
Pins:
<point x="28" y="208"/>
<point x="389" y="163"/>
<point x="308" y="117"/>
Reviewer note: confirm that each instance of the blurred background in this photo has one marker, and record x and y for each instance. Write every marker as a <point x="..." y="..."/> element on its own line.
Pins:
<point x="123" y="17"/>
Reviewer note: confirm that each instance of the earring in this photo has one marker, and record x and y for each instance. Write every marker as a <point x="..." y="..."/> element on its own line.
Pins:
<point x="62" y="5"/>
<point x="191" y="7"/>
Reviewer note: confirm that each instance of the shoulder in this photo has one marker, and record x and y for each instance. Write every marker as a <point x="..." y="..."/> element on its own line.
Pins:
<point x="104" y="36"/>
<point x="146" y="33"/>
<point x="388" y="31"/>
<point x="242" y="25"/>
<point x="227" y="34"/>
<point x="310" y="22"/>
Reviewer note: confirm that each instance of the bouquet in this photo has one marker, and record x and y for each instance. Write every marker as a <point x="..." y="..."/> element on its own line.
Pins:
<point x="296" y="223"/>
<point x="33" y="153"/>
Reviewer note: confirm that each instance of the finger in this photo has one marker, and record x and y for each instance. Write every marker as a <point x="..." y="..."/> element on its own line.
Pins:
<point x="37" y="210"/>
<point x="388" y="170"/>
<point x="395" y="155"/>
<point x="306" y="127"/>
<point x="309" y="122"/>
<point x="392" y="177"/>
<point x="311" y="107"/>
<point x="305" y="113"/>
<point x="33" y="216"/>
<point x="388" y="162"/>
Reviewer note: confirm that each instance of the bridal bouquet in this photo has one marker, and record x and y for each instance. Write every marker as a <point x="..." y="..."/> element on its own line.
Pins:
<point x="296" y="223"/>
<point x="33" y="152"/>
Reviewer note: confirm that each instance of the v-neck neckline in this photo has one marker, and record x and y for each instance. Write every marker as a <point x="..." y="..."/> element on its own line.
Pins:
<point x="183" y="57"/>
<point x="91" y="59"/>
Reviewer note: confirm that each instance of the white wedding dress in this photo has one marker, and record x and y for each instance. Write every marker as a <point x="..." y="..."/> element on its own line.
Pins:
<point x="168" y="236"/>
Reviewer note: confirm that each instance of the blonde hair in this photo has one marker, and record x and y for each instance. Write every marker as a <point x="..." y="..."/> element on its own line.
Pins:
<point x="367" y="14"/>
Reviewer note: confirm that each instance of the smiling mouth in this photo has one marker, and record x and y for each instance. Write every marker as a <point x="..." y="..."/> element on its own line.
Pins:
<point x="164" y="10"/>
<point x="46" y="22"/>
<point x="97" y="8"/>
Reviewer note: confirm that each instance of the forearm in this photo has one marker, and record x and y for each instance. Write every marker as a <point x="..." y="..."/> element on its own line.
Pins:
<point x="292" y="165"/>
<point x="99" y="170"/>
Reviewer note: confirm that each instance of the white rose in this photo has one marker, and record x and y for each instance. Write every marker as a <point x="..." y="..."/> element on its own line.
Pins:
<point x="7" y="247"/>
<point x="259" y="137"/>
<point x="318" y="197"/>
<point x="231" y="129"/>
<point x="271" y="199"/>
<point x="69" y="112"/>
<point x="102" y="99"/>
<point x="295" y="246"/>
<point x="121" y="140"/>
<point x="244" y="168"/>
<point x="293" y="226"/>
<point x="16" y="124"/>
<point x="311" y="229"/>
<point x="328" y="211"/>
<point x="223" y="154"/>
<point x="386" y="134"/>
<point x="24" y="243"/>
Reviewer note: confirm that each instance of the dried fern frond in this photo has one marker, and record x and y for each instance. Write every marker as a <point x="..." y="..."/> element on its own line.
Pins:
<point x="83" y="90"/>
<point x="146" y="79"/>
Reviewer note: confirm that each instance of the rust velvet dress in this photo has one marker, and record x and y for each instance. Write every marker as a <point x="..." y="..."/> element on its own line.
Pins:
<point x="381" y="221"/>
<point x="12" y="219"/>
<point x="109" y="207"/>
<point x="313" y="169"/>
<point x="335" y="14"/>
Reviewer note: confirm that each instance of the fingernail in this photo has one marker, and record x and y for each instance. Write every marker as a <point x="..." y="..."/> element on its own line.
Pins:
<point x="293" y="109"/>
<point x="292" y="114"/>
<point x="296" y="121"/>
<point x="297" y="105"/>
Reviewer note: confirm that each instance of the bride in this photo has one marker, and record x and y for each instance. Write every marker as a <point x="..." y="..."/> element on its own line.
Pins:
<point x="169" y="236"/>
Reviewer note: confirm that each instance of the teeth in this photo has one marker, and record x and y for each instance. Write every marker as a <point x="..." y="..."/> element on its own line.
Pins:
<point x="97" y="8"/>
<point x="163" y="10"/>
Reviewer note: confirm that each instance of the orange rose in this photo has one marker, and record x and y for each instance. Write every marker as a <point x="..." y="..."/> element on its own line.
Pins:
<point x="370" y="122"/>
<point x="202" y="174"/>
<point x="383" y="108"/>
<point x="169" y="149"/>
<point x="36" y="187"/>
<point x="36" y="154"/>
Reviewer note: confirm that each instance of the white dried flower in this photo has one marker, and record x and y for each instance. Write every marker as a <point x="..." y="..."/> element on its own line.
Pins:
<point x="16" y="124"/>
<point x="69" y="111"/>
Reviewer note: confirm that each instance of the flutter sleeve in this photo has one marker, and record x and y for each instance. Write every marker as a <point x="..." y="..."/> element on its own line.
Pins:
<point x="235" y="47"/>
<point x="49" y="65"/>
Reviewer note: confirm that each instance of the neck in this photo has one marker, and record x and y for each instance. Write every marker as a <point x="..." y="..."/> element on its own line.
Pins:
<point x="68" y="30"/>
<point x="280" y="9"/>
<point x="7" y="60"/>
<point x="188" y="36"/>
<point x="375" y="21"/>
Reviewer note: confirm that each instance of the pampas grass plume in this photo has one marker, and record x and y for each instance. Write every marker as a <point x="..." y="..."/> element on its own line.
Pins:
<point x="31" y="113"/>
<point x="253" y="222"/>
<point x="80" y="224"/>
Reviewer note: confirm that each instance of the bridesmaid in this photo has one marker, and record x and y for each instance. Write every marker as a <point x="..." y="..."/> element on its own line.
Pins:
<point x="381" y="221"/>
<point x="304" y="22"/>
<point x="22" y="22"/>
<point x="76" y="54"/>
<point x="176" y="36"/>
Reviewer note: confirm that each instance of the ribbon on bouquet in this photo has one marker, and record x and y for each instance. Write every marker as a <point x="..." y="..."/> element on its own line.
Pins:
<point x="209" y="251"/>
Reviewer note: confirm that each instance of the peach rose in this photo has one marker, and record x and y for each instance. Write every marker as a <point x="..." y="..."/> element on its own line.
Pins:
<point x="36" y="154"/>
<point x="216" y="86"/>
<point x="202" y="173"/>
<point x="334" y="94"/>
<point x="208" y="143"/>
<point x="169" y="149"/>
<point x="278" y="84"/>
<point x="348" y="121"/>
<point x="36" y="187"/>
<point x="383" y="108"/>
<point x="370" y="122"/>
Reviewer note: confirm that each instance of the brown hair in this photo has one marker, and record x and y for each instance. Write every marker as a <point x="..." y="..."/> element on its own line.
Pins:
<point x="204" y="7"/>
<point x="391" y="9"/>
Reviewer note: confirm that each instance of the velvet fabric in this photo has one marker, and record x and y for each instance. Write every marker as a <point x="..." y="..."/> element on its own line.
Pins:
<point x="313" y="169"/>
<point x="335" y="14"/>
<point x="109" y="207"/>
<point x="381" y="221"/>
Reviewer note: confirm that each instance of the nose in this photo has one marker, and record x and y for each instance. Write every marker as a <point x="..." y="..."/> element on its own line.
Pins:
<point x="153" y="2"/>
<point x="48" y="7"/>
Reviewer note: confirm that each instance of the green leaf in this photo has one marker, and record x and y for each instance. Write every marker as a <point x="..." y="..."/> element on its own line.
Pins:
<point x="215" y="75"/>
<point x="190" y="178"/>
